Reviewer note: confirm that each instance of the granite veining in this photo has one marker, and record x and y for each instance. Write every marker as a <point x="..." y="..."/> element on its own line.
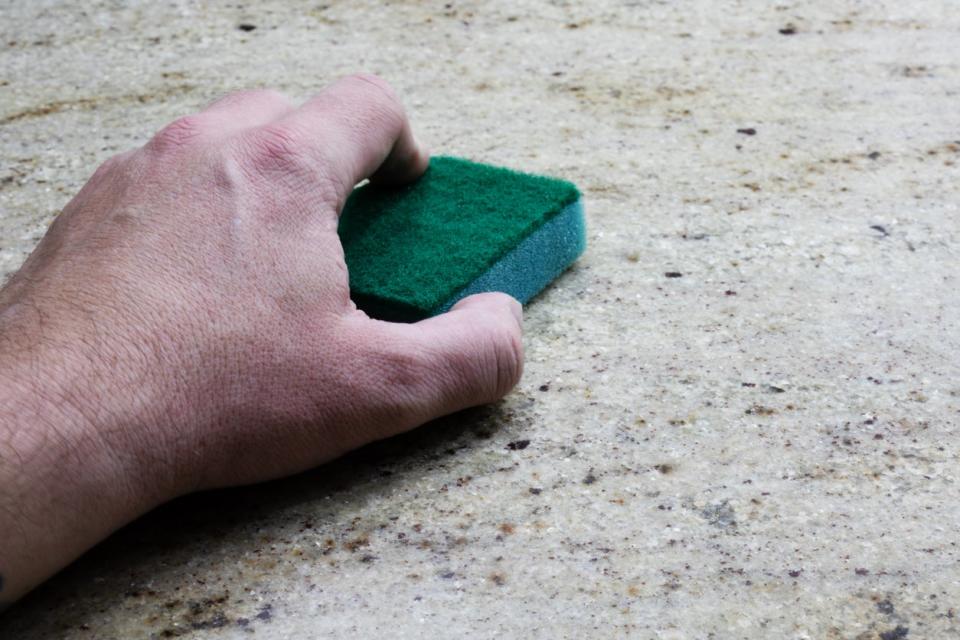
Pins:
<point x="740" y="408"/>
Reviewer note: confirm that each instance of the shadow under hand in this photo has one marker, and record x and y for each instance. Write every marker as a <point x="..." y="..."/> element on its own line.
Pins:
<point x="162" y="560"/>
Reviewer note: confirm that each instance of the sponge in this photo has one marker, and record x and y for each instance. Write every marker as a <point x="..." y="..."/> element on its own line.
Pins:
<point x="462" y="228"/>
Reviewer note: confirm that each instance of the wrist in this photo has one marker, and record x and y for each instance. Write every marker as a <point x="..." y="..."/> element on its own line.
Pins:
<point x="80" y="405"/>
<point x="86" y="434"/>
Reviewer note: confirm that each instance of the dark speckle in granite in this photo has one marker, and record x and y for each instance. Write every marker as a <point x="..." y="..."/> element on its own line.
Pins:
<point x="885" y="606"/>
<point x="720" y="515"/>
<point x="897" y="633"/>
<point x="760" y="410"/>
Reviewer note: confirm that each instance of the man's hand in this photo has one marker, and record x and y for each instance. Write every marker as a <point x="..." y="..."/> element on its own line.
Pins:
<point x="186" y="323"/>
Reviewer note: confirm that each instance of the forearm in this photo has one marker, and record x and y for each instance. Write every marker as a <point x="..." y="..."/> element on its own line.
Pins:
<point x="64" y="485"/>
<point x="186" y="324"/>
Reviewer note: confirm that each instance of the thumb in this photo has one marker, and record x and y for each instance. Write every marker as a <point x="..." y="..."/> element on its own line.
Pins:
<point x="470" y="355"/>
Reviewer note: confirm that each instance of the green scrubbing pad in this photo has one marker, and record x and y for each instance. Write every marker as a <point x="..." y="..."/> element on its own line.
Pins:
<point x="462" y="228"/>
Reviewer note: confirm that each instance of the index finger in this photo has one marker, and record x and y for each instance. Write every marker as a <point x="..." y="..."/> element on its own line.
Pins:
<point x="357" y="128"/>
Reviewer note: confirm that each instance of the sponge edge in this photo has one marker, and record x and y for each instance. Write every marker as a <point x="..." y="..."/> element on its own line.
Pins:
<point x="534" y="263"/>
<point x="462" y="228"/>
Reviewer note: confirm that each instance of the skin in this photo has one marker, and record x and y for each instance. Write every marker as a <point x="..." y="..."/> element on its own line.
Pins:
<point x="186" y="324"/>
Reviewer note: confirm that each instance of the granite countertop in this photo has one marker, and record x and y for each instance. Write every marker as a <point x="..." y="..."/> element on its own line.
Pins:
<point x="740" y="408"/>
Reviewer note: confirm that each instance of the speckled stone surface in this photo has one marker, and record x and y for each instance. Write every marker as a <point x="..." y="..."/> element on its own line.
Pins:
<point x="739" y="417"/>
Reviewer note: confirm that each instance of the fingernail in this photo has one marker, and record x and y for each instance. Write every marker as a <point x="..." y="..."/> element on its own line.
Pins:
<point x="517" y="310"/>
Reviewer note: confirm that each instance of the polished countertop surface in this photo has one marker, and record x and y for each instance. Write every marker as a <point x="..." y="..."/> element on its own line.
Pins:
<point x="740" y="411"/>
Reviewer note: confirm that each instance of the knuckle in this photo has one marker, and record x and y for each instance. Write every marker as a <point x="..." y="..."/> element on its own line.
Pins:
<point x="280" y="152"/>
<point x="404" y="377"/>
<point x="275" y="148"/>
<point x="180" y="133"/>
<point x="111" y="165"/>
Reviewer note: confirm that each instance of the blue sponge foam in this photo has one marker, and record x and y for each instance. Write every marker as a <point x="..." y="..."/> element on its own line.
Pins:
<point x="534" y="263"/>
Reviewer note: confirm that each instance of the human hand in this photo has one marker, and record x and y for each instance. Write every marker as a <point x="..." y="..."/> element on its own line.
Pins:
<point x="186" y="323"/>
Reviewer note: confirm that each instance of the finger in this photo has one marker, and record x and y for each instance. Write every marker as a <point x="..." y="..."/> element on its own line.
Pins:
<point x="358" y="129"/>
<point x="471" y="355"/>
<point x="247" y="109"/>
